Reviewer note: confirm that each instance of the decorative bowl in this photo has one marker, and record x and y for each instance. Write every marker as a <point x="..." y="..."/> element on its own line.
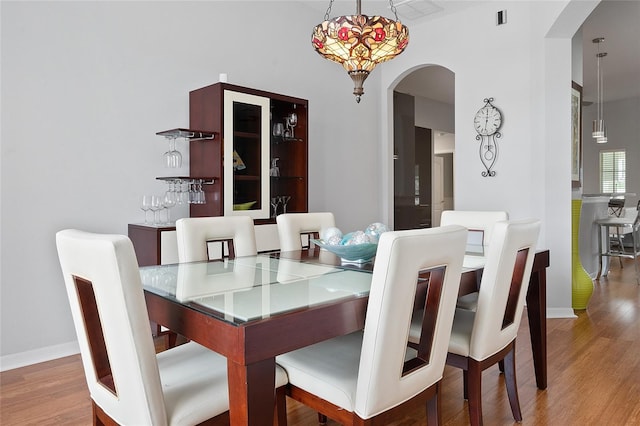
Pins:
<point x="244" y="206"/>
<point x="359" y="253"/>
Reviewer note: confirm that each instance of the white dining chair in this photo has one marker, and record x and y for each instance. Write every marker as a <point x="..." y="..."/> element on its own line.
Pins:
<point x="128" y="383"/>
<point x="291" y="226"/>
<point x="613" y="231"/>
<point x="487" y="336"/>
<point x="480" y="225"/>
<point x="195" y="234"/>
<point x="477" y="222"/>
<point x="369" y="376"/>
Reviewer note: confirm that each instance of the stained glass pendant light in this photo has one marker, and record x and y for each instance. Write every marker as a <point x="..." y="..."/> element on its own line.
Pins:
<point x="359" y="42"/>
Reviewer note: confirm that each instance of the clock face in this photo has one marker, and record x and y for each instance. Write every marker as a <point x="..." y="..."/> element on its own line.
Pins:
<point x="487" y="120"/>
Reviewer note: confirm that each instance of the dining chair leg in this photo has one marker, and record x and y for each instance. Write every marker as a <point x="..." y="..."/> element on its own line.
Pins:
<point x="465" y="384"/>
<point x="474" y="389"/>
<point x="281" y="407"/>
<point x="434" y="409"/>
<point x="511" y="382"/>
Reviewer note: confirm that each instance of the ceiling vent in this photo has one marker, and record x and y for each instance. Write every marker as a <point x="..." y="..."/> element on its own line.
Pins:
<point x="416" y="9"/>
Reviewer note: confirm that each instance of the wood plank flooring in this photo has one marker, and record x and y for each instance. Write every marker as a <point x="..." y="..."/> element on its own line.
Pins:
<point x="594" y="375"/>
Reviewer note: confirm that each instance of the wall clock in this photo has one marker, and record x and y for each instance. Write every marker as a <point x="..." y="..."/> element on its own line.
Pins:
<point x="487" y="122"/>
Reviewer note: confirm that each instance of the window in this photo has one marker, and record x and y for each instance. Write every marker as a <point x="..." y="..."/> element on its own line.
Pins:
<point x="613" y="176"/>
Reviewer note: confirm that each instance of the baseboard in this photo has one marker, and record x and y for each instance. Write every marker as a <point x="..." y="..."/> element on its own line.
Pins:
<point x="22" y="359"/>
<point x="561" y="313"/>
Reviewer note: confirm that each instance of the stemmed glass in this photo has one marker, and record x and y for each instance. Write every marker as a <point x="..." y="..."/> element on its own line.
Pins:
<point x="182" y="191"/>
<point x="285" y="199"/>
<point x="275" y="201"/>
<point x="172" y="158"/>
<point x="156" y="205"/>
<point x="169" y="202"/>
<point x="146" y="206"/>
<point x="199" y="197"/>
<point x="292" y="121"/>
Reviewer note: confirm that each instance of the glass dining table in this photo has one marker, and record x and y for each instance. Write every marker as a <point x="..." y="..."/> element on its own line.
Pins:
<point x="251" y="309"/>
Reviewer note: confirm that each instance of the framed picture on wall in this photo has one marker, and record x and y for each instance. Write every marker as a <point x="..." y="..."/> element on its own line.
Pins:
<point x="576" y="135"/>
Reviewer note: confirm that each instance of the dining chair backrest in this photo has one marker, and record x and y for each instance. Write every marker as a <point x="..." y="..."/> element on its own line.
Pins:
<point x="384" y="379"/>
<point x="616" y="206"/>
<point x="112" y="325"/>
<point x="474" y="221"/>
<point x="195" y="233"/>
<point x="292" y="225"/>
<point x="503" y="286"/>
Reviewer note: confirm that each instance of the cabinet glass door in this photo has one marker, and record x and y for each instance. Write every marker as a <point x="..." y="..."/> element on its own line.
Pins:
<point x="246" y="155"/>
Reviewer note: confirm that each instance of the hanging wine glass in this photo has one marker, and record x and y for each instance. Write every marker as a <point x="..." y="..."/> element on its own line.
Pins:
<point x="200" y="197"/>
<point x="173" y="157"/>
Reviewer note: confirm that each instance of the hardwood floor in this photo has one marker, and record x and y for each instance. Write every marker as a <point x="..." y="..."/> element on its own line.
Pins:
<point x="594" y="375"/>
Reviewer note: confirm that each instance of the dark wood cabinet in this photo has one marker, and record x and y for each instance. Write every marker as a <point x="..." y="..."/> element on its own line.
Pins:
<point x="260" y="156"/>
<point x="154" y="245"/>
<point x="248" y="154"/>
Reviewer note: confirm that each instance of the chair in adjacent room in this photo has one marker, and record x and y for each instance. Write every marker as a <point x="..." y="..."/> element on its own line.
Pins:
<point x="195" y="235"/>
<point x="613" y="231"/>
<point x="371" y="376"/>
<point x="128" y="383"/>
<point x="292" y="226"/>
<point x="480" y="225"/>
<point x="487" y="336"/>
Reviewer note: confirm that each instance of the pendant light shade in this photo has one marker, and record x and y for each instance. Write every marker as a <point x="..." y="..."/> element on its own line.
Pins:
<point x="359" y="42"/>
<point x="599" y="130"/>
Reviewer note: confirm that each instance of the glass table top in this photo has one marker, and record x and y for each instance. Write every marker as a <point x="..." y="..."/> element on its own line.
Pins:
<point x="252" y="288"/>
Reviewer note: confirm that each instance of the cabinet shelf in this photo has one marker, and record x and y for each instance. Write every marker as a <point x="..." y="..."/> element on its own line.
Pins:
<point x="246" y="177"/>
<point x="193" y="135"/>
<point x="247" y="135"/>
<point x="205" y="180"/>
<point x="282" y="139"/>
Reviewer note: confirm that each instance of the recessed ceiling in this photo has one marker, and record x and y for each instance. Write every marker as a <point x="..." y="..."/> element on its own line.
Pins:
<point x="432" y="82"/>
<point x="618" y="21"/>
<point x="409" y="11"/>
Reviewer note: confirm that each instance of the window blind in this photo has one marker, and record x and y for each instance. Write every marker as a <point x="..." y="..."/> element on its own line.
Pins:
<point x="613" y="172"/>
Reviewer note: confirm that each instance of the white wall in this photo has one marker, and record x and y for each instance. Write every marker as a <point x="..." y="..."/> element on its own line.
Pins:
<point x="525" y="66"/>
<point x="85" y="87"/>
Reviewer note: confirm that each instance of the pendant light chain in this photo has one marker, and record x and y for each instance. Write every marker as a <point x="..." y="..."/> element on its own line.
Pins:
<point x="327" y="14"/>
<point x="393" y="9"/>
<point x="600" y="91"/>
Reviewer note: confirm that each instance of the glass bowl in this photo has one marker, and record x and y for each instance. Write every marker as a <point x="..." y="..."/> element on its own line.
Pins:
<point x="359" y="253"/>
<point x="244" y="206"/>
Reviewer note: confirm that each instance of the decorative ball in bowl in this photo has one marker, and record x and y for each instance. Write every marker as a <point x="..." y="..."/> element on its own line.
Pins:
<point x="359" y="253"/>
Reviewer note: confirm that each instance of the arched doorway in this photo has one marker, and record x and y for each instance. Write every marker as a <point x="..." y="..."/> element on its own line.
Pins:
<point x="424" y="126"/>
